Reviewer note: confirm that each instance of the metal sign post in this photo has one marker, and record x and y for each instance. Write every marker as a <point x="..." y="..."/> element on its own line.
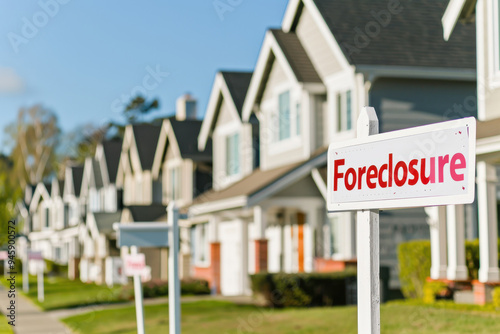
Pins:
<point x="26" y="279"/>
<point x="139" y="308"/>
<point x="36" y="256"/>
<point x="368" y="252"/>
<point x="417" y="167"/>
<point x="174" y="289"/>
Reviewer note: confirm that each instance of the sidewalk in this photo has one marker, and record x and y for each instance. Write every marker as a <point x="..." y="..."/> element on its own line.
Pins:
<point x="29" y="318"/>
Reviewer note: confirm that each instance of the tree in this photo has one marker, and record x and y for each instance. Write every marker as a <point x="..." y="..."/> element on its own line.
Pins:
<point x="138" y="107"/>
<point x="10" y="193"/>
<point x="33" y="138"/>
<point x="82" y="142"/>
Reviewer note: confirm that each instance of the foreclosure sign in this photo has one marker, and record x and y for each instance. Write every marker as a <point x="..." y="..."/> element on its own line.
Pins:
<point x="422" y="166"/>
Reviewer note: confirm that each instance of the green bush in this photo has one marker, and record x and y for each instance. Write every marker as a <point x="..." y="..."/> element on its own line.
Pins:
<point x="414" y="267"/>
<point x="56" y="269"/>
<point x="496" y="297"/>
<point x="159" y="288"/>
<point x="433" y="289"/>
<point x="304" y="289"/>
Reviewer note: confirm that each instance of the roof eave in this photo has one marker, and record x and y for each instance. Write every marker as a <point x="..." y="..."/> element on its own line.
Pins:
<point x="452" y="14"/>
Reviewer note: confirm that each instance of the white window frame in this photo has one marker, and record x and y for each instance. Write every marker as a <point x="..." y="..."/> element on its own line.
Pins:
<point x="226" y="157"/>
<point x="222" y="132"/>
<point x="175" y="164"/>
<point x="202" y="245"/>
<point x="494" y="43"/>
<point x="278" y="146"/>
<point x="341" y="121"/>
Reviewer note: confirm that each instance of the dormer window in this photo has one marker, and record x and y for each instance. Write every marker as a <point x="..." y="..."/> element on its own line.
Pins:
<point x="232" y="154"/>
<point x="174" y="184"/>
<point x="344" y="111"/>
<point x="284" y="118"/>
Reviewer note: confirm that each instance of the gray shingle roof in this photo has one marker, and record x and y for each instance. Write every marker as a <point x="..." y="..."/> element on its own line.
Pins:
<point x="105" y="220"/>
<point x="77" y="174"/>
<point x="237" y="84"/>
<point x="186" y="132"/>
<point x="412" y="37"/>
<point x="146" y="137"/>
<point x="296" y="56"/>
<point x="112" y="150"/>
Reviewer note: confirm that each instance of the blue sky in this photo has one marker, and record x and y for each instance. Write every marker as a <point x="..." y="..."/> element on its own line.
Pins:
<point x="82" y="59"/>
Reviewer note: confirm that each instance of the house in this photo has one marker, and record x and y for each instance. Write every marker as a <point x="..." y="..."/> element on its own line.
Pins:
<point x="142" y="194"/>
<point x="184" y="169"/>
<point x="55" y="216"/>
<point x="312" y="77"/>
<point x="484" y="16"/>
<point x="101" y="260"/>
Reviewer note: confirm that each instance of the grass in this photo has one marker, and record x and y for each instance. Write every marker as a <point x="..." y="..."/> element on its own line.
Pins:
<point x="5" y="328"/>
<point x="63" y="293"/>
<point x="216" y="317"/>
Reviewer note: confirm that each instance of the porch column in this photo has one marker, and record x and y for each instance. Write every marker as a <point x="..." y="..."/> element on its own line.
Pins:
<point x="456" y="242"/>
<point x="348" y="225"/>
<point x="260" y="221"/>
<point x="313" y="218"/>
<point x="213" y="238"/>
<point x="436" y="218"/>
<point x="487" y="212"/>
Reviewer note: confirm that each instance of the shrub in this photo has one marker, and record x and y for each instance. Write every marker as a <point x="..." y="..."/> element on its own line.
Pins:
<point x="496" y="297"/>
<point x="56" y="269"/>
<point x="433" y="289"/>
<point x="472" y="258"/>
<point x="303" y="289"/>
<point x="414" y="267"/>
<point x="158" y="288"/>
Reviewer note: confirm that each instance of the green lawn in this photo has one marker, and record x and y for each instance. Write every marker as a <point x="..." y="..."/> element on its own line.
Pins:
<point x="215" y="317"/>
<point x="64" y="293"/>
<point x="5" y="328"/>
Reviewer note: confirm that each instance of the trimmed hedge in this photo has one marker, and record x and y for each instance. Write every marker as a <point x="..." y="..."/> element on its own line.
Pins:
<point x="434" y="289"/>
<point x="159" y="288"/>
<point x="415" y="264"/>
<point x="414" y="267"/>
<point x="496" y="297"/>
<point x="303" y="289"/>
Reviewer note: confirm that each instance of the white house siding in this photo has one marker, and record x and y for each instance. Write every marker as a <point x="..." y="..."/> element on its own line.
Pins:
<point x="488" y="92"/>
<point x="295" y="149"/>
<point x="274" y="235"/>
<point x="316" y="46"/>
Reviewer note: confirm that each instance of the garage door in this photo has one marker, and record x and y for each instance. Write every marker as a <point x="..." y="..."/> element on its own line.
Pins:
<point x="233" y="258"/>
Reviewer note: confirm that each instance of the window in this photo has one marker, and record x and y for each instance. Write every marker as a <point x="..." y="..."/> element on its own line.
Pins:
<point x="232" y="154"/>
<point x="66" y="215"/>
<point x="46" y="217"/>
<point x="297" y="119"/>
<point x="200" y="244"/>
<point x="174" y="184"/>
<point x="344" y="111"/>
<point x="334" y="234"/>
<point x="284" y="116"/>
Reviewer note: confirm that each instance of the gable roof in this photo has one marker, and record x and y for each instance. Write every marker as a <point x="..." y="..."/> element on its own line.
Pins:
<point x="237" y="83"/>
<point x="142" y="213"/>
<point x="112" y="151"/>
<point x="105" y="220"/>
<point x="409" y="39"/>
<point x="286" y="49"/>
<point x="77" y="176"/>
<point x="251" y="189"/>
<point x="146" y="138"/>
<point x="296" y="56"/>
<point x="186" y="133"/>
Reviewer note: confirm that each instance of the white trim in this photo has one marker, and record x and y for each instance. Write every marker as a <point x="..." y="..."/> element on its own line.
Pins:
<point x="316" y="176"/>
<point x="309" y="5"/>
<point x="480" y="58"/>
<point x="269" y="46"/>
<point x="372" y="72"/>
<point x="221" y="205"/>
<point x="219" y="88"/>
<point x="494" y="43"/>
<point x="451" y="16"/>
<point x="488" y="145"/>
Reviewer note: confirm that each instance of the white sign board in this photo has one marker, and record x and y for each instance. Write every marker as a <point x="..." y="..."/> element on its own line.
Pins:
<point x="35" y="255"/>
<point x="422" y="166"/>
<point x="134" y="264"/>
<point x="4" y="255"/>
